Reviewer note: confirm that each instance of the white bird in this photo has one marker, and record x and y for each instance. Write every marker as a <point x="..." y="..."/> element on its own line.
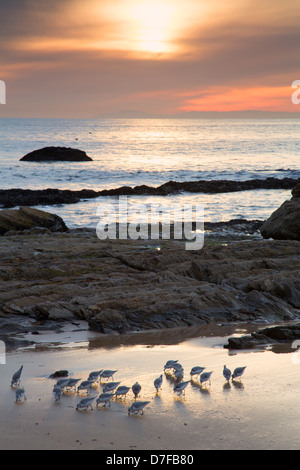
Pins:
<point x="238" y="372"/>
<point x="197" y="370"/>
<point x="136" y="388"/>
<point x="122" y="390"/>
<point x="158" y="382"/>
<point x="85" y="403"/>
<point x="138" y="406"/>
<point x="226" y="373"/>
<point x="205" y="377"/>
<point x="105" y="398"/>
<point x="179" y="388"/>
<point x="16" y="378"/>
<point x="57" y="392"/>
<point x="85" y="385"/>
<point x="20" y="393"/>
<point x="106" y="374"/>
<point x="109" y="387"/>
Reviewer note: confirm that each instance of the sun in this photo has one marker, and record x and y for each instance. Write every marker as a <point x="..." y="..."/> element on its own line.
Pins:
<point x="152" y="21"/>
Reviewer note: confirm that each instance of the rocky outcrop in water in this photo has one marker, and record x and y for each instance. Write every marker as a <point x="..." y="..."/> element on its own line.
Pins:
<point x="120" y="286"/>
<point x="16" y="197"/>
<point x="202" y="186"/>
<point x="34" y="197"/>
<point x="284" y="223"/>
<point x="27" y="218"/>
<point x="56" y="154"/>
<point x="266" y="336"/>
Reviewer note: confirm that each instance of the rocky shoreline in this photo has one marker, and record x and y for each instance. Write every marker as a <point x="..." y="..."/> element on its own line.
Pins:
<point x="28" y="197"/>
<point x="124" y="286"/>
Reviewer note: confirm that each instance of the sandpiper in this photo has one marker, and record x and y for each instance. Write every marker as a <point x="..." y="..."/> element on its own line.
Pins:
<point x="85" y="403"/>
<point x="138" y="407"/>
<point x="238" y="372"/>
<point x="16" y="378"/>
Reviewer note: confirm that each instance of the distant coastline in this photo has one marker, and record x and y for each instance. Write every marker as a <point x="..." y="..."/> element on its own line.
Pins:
<point x="255" y="114"/>
<point x="136" y="114"/>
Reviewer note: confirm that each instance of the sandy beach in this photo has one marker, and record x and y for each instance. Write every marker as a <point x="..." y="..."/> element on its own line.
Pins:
<point x="258" y="412"/>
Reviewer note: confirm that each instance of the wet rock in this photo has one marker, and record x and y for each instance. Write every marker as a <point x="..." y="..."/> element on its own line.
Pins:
<point x="296" y="191"/>
<point x="266" y="336"/>
<point x="284" y="223"/>
<point x="59" y="373"/>
<point x="27" y="218"/>
<point x="128" y="285"/>
<point x="202" y="186"/>
<point x="21" y="197"/>
<point x="56" y="154"/>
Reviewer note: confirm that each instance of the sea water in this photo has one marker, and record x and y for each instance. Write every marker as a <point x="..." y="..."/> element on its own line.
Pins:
<point x="132" y="152"/>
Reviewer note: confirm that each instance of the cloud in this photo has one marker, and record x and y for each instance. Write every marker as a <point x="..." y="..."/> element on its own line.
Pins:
<point x="67" y="57"/>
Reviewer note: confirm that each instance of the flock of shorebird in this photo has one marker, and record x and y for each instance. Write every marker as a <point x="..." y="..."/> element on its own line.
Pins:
<point x="114" y="389"/>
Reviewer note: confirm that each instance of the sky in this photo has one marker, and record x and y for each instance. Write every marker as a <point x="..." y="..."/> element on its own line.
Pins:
<point x="95" y="58"/>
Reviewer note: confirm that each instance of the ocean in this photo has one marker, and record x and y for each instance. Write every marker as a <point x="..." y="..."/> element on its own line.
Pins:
<point x="131" y="152"/>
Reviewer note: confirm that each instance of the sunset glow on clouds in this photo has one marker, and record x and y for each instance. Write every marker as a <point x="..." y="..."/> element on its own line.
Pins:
<point x="83" y="59"/>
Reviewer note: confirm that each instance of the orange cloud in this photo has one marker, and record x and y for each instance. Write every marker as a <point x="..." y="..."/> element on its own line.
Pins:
<point x="238" y="99"/>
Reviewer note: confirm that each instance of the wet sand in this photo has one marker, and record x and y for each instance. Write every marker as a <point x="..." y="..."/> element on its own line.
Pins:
<point x="259" y="412"/>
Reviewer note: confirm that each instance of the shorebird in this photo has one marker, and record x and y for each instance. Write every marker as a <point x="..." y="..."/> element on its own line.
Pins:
<point x="226" y="373"/>
<point x="158" y="382"/>
<point x="20" y="393"/>
<point x="72" y="383"/>
<point x="85" y="403"/>
<point x="62" y="383"/>
<point x="238" y="372"/>
<point x="136" y="388"/>
<point x="109" y="387"/>
<point x="85" y="385"/>
<point x="57" y="392"/>
<point x="122" y="390"/>
<point x="104" y="398"/>
<point x="197" y="370"/>
<point x="179" y="388"/>
<point x="106" y="374"/>
<point x="95" y="375"/>
<point x="177" y="366"/>
<point x="16" y="378"/>
<point x="205" y="377"/>
<point x="178" y="374"/>
<point x="170" y="364"/>
<point x="138" y="407"/>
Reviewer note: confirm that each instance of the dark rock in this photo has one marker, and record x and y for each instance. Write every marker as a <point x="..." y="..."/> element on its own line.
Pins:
<point x="129" y="285"/>
<point x="265" y="336"/>
<point x="56" y="154"/>
<point x="27" y="218"/>
<point x="296" y="191"/>
<point x="59" y="373"/>
<point x="203" y="186"/>
<point x="284" y="223"/>
<point x="27" y="197"/>
<point x="15" y="343"/>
